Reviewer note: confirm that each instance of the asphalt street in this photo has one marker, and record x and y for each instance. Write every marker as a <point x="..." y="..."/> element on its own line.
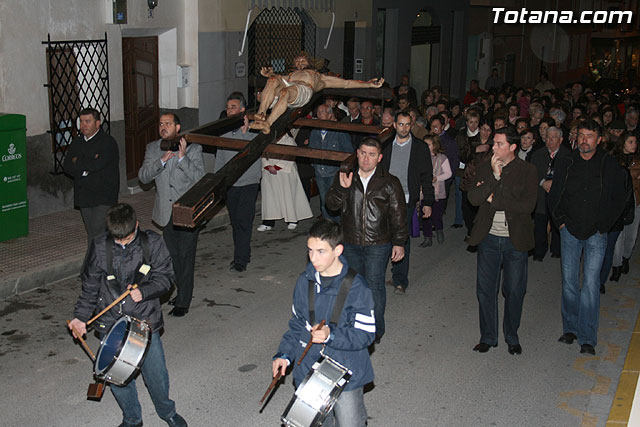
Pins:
<point x="219" y="355"/>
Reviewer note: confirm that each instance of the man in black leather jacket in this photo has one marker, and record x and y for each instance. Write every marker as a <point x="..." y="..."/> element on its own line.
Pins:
<point x="373" y="212"/>
<point x="104" y="281"/>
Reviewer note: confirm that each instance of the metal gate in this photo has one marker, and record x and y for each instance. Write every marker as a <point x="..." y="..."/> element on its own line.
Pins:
<point x="77" y="78"/>
<point x="277" y="35"/>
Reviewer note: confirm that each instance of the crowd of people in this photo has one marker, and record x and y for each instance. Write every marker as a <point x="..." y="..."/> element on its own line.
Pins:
<point x="527" y="171"/>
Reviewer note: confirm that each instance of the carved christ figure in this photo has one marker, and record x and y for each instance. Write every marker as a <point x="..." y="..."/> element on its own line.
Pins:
<point x="296" y="89"/>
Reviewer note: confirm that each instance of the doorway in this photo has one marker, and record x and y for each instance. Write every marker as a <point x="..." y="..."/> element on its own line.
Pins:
<point x="425" y="43"/>
<point x="141" y="110"/>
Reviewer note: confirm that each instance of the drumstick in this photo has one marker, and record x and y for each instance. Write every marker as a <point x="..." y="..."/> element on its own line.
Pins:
<point x="144" y="270"/>
<point x="110" y="306"/>
<point x="83" y="343"/>
<point x="271" y="386"/>
<point x="306" y="349"/>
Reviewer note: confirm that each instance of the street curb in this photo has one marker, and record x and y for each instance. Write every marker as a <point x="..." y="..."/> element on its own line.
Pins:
<point x="17" y="283"/>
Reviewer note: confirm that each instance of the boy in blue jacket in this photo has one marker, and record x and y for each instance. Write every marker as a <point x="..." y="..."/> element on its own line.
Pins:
<point x="345" y="342"/>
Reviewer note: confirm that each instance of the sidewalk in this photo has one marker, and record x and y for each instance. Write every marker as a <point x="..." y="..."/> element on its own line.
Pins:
<point x="56" y="244"/>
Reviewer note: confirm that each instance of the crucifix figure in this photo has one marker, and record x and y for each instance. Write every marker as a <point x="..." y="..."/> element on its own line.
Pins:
<point x="296" y="89"/>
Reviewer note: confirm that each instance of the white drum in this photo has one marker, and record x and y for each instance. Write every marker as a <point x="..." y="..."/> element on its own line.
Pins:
<point x="122" y="351"/>
<point x="317" y="394"/>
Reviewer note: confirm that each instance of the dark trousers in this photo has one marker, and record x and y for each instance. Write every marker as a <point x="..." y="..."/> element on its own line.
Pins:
<point x="400" y="269"/>
<point x="241" y="203"/>
<point x="371" y="262"/>
<point x="182" y="243"/>
<point x="468" y="213"/>
<point x="95" y="222"/>
<point x="540" y="222"/>
<point x="493" y="253"/>
<point x="435" y="220"/>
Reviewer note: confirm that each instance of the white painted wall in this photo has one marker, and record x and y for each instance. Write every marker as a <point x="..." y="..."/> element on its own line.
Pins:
<point x="24" y="24"/>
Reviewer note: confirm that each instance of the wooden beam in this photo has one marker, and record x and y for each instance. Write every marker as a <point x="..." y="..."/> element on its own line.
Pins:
<point x="346" y="127"/>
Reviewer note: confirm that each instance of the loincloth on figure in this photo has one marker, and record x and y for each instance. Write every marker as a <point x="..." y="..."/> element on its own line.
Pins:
<point x="304" y="95"/>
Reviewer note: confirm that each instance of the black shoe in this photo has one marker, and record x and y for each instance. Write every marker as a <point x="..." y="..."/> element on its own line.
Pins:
<point x="567" y="338"/>
<point x="131" y="425"/>
<point x="515" y="349"/>
<point x="537" y="258"/>
<point x="178" y="311"/>
<point x="625" y="265"/>
<point x="615" y="274"/>
<point x="472" y="249"/>
<point x="587" y="348"/>
<point x="456" y="225"/>
<point x="555" y="255"/>
<point x="176" y="421"/>
<point x="482" y="347"/>
<point x="172" y="301"/>
<point x="440" y="236"/>
<point x="428" y="241"/>
<point x="239" y="268"/>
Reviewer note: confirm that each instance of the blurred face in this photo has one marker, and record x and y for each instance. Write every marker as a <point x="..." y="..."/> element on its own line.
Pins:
<point x="322" y="256"/>
<point x="513" y="111"/>
<point x="387" y="120"/>
<point x="428" y="99"/>
<point x="630" y="145"/>
<point x="499" y="124"/>
<point x="368" y="158"/>
<point x="485" y="131"/>
<point x="168" y="128"/>
<point x="402" y="126"/>
<point x="573" y="134"/>
<point x="414" y="116"/>
<point x="553" y="140"/>
<point x="436" y="127"/>
<point x="576" y="89"/>
<point x="455" y="110"/>
<point x="403" y="104"/>
<point x="607" y="117"/>
<point x="588" y="140"/>
<point x="631" y="120"/>
<point x="577" y="112"/>
<point x="300" y="62"/>
<point x="404" y="80"/>
<point x="473" y="86"/>
<point x="403" y="90"/>
<point x="324" y="112"/>
<point x="354" y="108"/>
<point x="521" y="126"/>
<point x="616" y="132"/>
<point x="502" y="149"/>
<point x="377" y="109"/>
<point x="543" y="130"/>
<point x="234" y="106"/>
<point x="331" y="102"/>
<point x="88" y="125"/>
<point x="366" y="109"/>
<point x="472" y="123"/>
<point x="441" y="107"/>
<point x="526" y="141"/>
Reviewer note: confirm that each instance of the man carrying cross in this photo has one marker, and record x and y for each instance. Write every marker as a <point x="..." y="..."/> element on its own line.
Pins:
<point x="296" y="89"/>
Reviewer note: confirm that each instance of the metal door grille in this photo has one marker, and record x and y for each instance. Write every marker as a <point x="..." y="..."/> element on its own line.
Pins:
<point x="277" y="35"/>
<point x="77" y="78"/>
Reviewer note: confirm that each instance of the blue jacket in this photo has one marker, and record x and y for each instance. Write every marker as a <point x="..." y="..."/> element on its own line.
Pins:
<point x="348" y="341"/>
<point x="334" y="141"/>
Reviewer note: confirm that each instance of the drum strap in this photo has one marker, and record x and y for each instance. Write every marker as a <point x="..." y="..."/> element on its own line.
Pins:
<point x="338" y="305"/>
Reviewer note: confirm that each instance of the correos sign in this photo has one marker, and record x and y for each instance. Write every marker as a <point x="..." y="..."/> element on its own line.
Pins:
<point x="12" y="154"/>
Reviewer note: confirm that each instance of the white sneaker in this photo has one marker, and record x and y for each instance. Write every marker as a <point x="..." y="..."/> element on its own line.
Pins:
<point x="292" y="226"/>
<point x="263" y="227"/>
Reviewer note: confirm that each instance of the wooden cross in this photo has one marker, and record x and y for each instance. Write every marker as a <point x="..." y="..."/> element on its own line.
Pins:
<point x="197" y="204"/>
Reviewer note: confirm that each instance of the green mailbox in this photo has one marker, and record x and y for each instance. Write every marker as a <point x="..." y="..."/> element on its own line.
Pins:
<point x="14" y="211"/>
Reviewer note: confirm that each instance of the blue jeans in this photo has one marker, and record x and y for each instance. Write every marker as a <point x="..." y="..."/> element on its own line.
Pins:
<point x="495" y="252"/>
<point x="400" y="269"/>
<point x="156" y="378"/>
<point x="612" y="238"/>
<point x="581" y="306"/>
<point x="349" y="410"/>
<point x="459" y="218"/>
<point x="371" y="262"/>
<point x="324" y="183"/>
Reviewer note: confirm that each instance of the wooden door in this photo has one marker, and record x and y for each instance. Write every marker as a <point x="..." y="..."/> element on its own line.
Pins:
<point x="141" y="112"/>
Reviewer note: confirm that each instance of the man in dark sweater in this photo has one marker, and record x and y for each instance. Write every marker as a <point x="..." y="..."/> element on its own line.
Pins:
<point x="92" y="162"/>
<point x="586" y="198"/>
<point x="505" y="190"/>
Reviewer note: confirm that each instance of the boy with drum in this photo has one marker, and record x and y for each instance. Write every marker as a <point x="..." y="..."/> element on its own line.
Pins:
<point x="129" y="248"/>
<point x="347" y="340"/>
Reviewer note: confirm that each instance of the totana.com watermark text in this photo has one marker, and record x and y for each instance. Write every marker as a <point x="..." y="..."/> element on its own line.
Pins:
<point x="524" y="16"/>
